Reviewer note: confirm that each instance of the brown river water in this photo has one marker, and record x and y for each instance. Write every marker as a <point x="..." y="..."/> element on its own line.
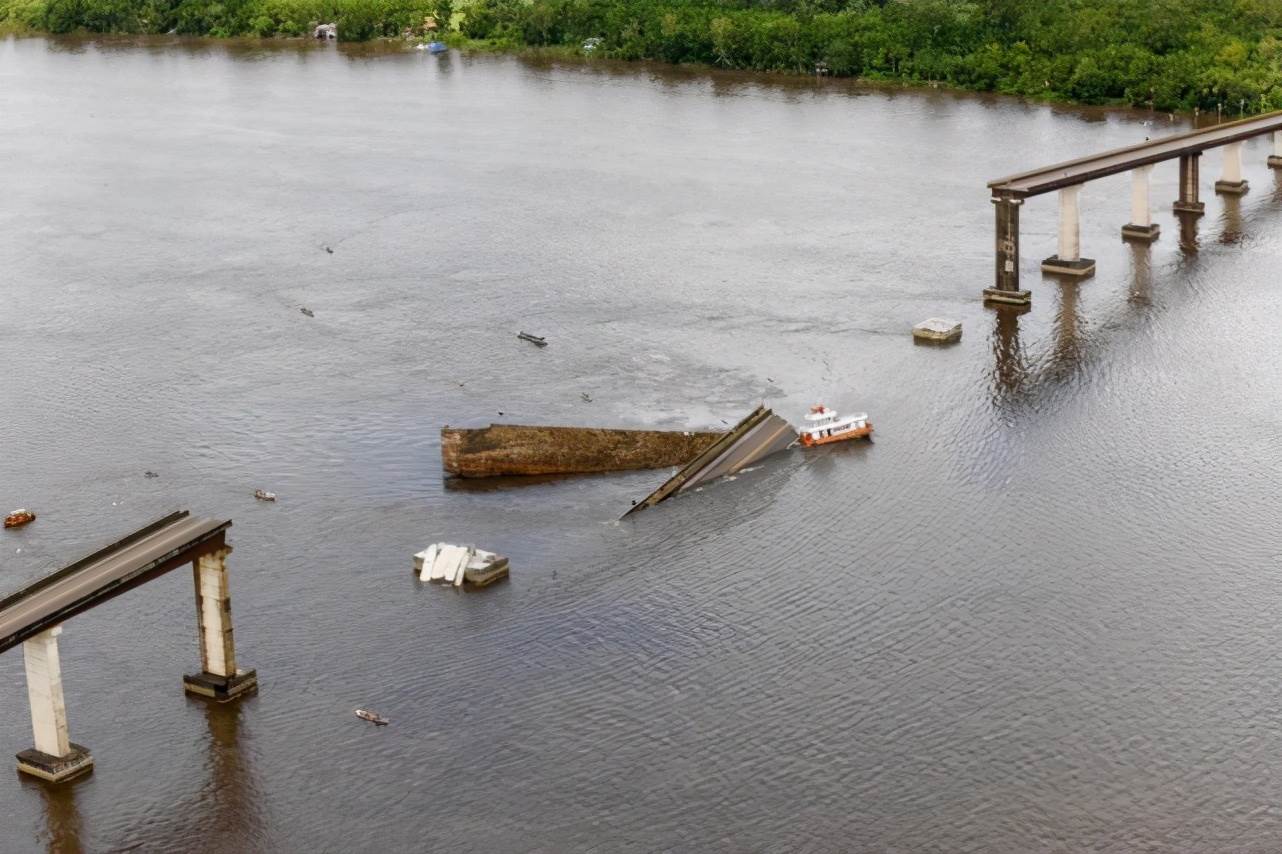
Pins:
<point x="1039" y="613"/>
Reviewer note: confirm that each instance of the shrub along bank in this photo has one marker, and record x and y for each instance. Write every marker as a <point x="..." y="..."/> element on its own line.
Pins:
<point x="1170" y="54"/>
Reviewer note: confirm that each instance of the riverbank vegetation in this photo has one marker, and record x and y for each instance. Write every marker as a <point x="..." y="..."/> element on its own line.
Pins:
<point x="1168" y="54"/>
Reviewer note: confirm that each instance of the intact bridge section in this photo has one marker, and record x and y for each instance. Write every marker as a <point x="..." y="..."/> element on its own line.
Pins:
<point x="1009" y="193"/>
<point x="33" y="617"/>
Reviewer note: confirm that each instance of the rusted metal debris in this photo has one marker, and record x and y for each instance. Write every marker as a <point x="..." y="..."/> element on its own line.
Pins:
<point x="758" y="436"/>
<point x="514" y="449"/>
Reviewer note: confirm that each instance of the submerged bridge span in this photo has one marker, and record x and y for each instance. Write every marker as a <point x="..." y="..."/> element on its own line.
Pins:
<point x="33" y="617"/>
<point x="1067" y="178"/>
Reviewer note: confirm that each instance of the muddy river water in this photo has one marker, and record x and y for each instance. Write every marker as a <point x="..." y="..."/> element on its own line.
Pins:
<point x="1039" y="613"/>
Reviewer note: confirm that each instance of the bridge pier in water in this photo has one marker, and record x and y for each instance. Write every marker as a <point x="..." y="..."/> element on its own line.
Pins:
<point x="1006" y="283"/>
<point x="54" y="758"/>
<point x="1275" y="159"/>
<point x="219" y="677"/>
<point x="1141" y="227"/>
<point x="1231" y="181"/>
<point x="1189" y="200"/>
<point x="1068" y="261"/>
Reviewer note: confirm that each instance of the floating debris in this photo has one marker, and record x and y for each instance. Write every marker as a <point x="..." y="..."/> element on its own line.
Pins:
<point x="537" y="340"/>
<point x="325" y="31"/>
<point x="757" y="436"/>
<point x="264" y="495"/>
<point x="587" y="398"/>
<point x="330" y="251"/>
<point x="372" y="717"/>
<point x="502" y="450"/>
<point x="824" y="426"/>
<point x="936" y="330"/>
<point x="447" y="564"/>
<point x="150" y="474"/>
<point x="307" y="311"/>
<point x="18" y="518"/>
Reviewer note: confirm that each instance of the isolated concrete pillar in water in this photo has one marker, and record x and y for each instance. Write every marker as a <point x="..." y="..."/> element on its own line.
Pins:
<point x="1231" y="181"/>
<point x="1005" y="287"/>
<point x="1275" y="159"/>
<point x="219" y="677"/>
<point x="1141" y="226"/>
<point x="54" y="757"/>
<point x="1068" y="261"/>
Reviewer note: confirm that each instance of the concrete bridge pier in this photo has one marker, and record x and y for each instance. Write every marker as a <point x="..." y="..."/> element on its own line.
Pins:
<point x="219" y="677"/>
<point x="1189" y="201"/>
<point x="1231" y="181"/>
<point x="1275" y="159"/>
<point x="54" y="758"/>
<point x="1005" y="288"/>
<point x="1141" y="227"/>
<point x="1068" y="261"/>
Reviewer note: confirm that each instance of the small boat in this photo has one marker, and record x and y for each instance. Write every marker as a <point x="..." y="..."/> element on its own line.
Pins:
<point x="533" y="339"/>
<point x="823" y="426"/>
<point x="264" y="495"/>
<point x="372" y="717"/>
<point x="18" y="518"/>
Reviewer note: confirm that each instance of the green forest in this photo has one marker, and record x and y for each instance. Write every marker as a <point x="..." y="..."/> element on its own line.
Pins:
<point x="1167" y="54"/>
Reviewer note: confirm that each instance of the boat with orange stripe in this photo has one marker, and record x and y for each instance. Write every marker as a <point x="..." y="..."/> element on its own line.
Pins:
<point x="824" y="426"/>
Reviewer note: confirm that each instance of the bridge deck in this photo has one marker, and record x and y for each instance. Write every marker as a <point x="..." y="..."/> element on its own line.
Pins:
<point x="166" y="544"/>
<point x="1084" y="169"/>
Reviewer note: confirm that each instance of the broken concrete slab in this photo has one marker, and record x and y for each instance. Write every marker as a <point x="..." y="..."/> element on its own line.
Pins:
<point x="757" y="436"/>
<point x="516" y="449"/>
<point x="937" y="330"/>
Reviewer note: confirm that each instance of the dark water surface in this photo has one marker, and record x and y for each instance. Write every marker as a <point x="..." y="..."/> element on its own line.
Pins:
<point x="1040" y="613"/>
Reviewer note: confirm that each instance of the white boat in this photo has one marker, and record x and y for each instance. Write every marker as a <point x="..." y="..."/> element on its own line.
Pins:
<point x="824" y="425"/>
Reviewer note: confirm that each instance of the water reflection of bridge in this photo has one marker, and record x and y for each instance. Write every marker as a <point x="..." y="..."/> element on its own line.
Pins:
<point x="223" y="814"/>
<point x="1014" y="373"/>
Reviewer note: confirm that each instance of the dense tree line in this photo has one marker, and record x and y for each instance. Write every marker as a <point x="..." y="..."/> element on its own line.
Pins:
<point x="1166" y="53"/>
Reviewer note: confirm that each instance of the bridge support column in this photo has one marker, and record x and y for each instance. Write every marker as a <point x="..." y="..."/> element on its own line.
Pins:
<point x="1141" y="227"/>
<point x="54" y="758"/>
<point x="1189" y="201"/>
<point x="219" y="677"/>
<point x="1068" y="261"/>
<point x="1005" y="287"/>
<point x="1231" y="181"/>
<point x="1275" y="159"/>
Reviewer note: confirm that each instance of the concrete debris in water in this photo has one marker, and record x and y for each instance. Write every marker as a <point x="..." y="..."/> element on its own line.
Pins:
<point x="936" y="330"/>
<point x="264" y="495"/>
<point x="447" y="564"/>
<point x="514" y="449"/>
<point x="372" y="717"/>
<point x="758" y="436"/>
